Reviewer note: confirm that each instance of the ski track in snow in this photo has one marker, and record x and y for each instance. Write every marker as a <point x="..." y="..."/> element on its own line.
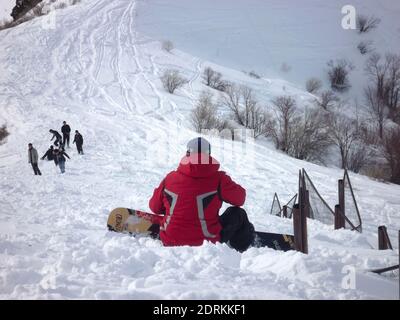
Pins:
<point x="95" y="71"/>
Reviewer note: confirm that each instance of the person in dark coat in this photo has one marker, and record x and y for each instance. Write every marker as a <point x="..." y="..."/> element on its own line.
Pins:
<point x="58" y="137"/>
<point x="49" y="154"/>
<point x="54" y="157"/>
<point x="33" y="159"/>
<point x="79" y="141"/>
<point x="60" y="155"/>
<point x="66" y="130"/>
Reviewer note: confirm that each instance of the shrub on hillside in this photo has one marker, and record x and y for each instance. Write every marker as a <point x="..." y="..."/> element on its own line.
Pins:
<point x="338" y="73"/>
<point x="365" y="47"/>
<point x="3" y="133"/>
<point x="254" y="75"/>
<point x="367" y="23"/>
<point x="167" y="45"/>
<point x="313" y="85"/>
<point x="213" y="79"/>
<point x="172" y="80"/>
<point x="204" y="115"/>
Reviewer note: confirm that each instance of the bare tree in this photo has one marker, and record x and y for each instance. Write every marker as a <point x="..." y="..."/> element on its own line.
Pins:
<point x="214" y="80"/>
<point x="204" y="115"/>
<point x="240" y="100"/>
<point x="286" y="116"/>
<point x="167" y="45"/>
<point x="392" y="153"/>
<point x="344" y="134"/>
<point x="3" y="133"/>
<point x="172" y="80"/>
<point x="377" y="72"/>
<point x="313" y="85"/>
<point x="359" y="156"/>
<point x="338" y="74"/>
<point x="385" y="76"/>
<point x="327" y="100"/>
<point x="310" y="138"/>
<point x="365" y="47"/>
<point x="376" y="108"/>
<point x="232" y="100"/>
<point x="261" y="122"/>
<point x="250" y="106"/>
<point x="392" y="86"/>
<point x="367" y="23"/>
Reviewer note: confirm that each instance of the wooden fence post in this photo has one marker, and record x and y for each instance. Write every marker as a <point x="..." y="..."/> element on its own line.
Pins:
<point x="383" y="239"/>
<point x="339" y="218"/>
<point x="300" y="229"/>
<point x="342" y="207"/>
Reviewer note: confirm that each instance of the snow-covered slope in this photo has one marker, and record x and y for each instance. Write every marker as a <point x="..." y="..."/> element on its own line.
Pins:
<point x="277" y="38"/>
<point x="5" y="9"/>
<point x="97" y="72"/>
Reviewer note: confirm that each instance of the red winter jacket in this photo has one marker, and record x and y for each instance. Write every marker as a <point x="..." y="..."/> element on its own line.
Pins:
<point x="190" y="199"/>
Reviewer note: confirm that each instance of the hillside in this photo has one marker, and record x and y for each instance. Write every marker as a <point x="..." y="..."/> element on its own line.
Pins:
<point x="273" y="38"/>
<point x="100" y="73"/>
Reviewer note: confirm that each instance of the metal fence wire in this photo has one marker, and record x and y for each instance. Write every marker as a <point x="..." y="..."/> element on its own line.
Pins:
<point x="290" y="206"/>
<point x="276" y="208"/>
<point x="319" y="209"/>
<point x="351" y="209"/>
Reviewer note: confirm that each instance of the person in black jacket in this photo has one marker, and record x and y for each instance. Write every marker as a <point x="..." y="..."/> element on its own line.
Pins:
<point x="56" y="135"/>
<point x="79" y="141"/>
<point x="60" y="155"/>
<point x="49" y="154"/>
<point x="54" y="157"/>
<point x="66" y="130"/>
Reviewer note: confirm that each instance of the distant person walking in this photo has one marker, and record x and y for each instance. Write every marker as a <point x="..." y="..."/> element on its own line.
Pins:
<point x="49" y="154"/>
<point x="60" y="155"/>
<point x="79" y="141"/>
<point x="66" y="130"/>
<point x="58" y="137"/>
<point x="33" y="159"/>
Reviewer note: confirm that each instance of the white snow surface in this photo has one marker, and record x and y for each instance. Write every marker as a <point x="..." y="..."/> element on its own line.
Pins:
<point x="96" y="71"/>
<point x="6" y="7"/>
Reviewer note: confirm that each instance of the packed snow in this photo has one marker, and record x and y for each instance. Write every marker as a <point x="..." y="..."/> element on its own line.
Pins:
<point x="6" y="7"/>
<point x="94" y="69"/>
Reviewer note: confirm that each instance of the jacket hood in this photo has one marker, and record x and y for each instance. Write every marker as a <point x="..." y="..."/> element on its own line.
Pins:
<point x="198" y="165"/>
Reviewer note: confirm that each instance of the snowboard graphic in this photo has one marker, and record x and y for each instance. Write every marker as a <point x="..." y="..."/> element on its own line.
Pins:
<point x="141" y="223"/>
<point x="134" y="222"/>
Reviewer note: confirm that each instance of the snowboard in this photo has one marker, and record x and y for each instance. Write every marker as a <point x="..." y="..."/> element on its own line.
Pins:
<point x="140" y="223"/>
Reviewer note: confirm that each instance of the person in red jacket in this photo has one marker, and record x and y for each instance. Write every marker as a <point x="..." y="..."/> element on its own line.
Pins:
<point x="190" y="199"/>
